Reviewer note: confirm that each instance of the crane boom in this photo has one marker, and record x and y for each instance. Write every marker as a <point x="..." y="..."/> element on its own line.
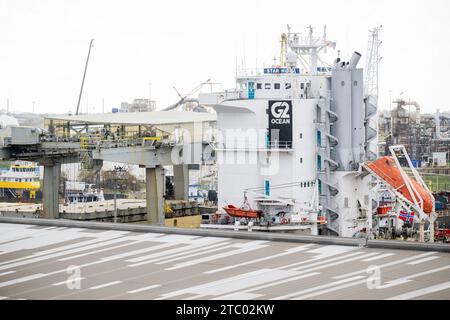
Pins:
<point x="84" y="76"/>
<point x="373" y="59"/>
<point x="183" y="98"/>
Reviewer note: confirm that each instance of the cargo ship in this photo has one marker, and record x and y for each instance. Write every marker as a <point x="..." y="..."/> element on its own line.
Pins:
<point x="305" y="124"/>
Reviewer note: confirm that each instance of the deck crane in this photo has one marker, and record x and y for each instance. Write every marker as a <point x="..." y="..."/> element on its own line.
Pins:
<point x="373" y="59"/>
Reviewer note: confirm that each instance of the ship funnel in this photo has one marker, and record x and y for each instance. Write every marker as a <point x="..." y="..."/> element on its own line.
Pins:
<point x="354" y="60"/>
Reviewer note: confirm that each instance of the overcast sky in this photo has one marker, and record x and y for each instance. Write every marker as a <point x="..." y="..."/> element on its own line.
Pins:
<point x="44" y="43"/>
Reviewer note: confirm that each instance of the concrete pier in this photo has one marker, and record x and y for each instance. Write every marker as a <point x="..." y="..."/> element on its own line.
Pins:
<point x="154" y="194"/>
<point x="181" y="181"/>
<point x="52" y="173"/>
<point x="97" y="167"/>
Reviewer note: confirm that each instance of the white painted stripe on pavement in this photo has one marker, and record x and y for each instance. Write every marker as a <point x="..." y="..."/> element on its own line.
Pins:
<point x="144" y="288"/>
<point x="331" y="250"/>
<point x="406" y="279"/>
<point x="242" y="284"/>
<point x="413" y="263"/>
<point x="189" y="255"/>
<point x="63" y="253"/>
<point x="331" y="284"/>
<point x="283" y="281"/>
<point x="136" y="252"/>
<point x="393" y="263"/>
<point x="318" y="293"/>
<point x="239" y="296"/>
<point x="194" y="297"/>
<point x="264" y="286"/>
<point x="239" y="282"/>
<point x="118" y="256"/>
<point x="422" y="292"/>
<point x="105" y="285"/>
<point x="313" y="260"/>
<point x="23" y="279"/>
<point x="5" y="273"/>
<point x="49" y="238"/>
<point x="324" y="264"/>
<point x="251" y="247"/>
<point x="287" y="252"/>
<point x="179" y="238"/>
<point x="99" y="250"/>
<point x="379" y="257"/>
<point x="57" y="249"/>
<point x="68" y="281"/>
<point x="183" y="251"/>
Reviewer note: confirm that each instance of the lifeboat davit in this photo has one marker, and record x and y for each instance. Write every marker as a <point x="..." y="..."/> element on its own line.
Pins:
<point x="242" y="213"/>
<point x="388" y="171"/>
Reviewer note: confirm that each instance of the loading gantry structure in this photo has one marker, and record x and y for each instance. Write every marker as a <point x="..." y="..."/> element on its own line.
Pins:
<point x="150" y="140"/>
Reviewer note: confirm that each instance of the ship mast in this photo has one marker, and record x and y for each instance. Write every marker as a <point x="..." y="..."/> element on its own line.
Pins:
<point x="308" y="48"/>
<point x="283" y="49"/>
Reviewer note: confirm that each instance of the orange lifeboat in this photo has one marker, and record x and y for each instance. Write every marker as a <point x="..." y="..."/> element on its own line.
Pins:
<point x="387" y="170"/>
<point x="242" y="213"/>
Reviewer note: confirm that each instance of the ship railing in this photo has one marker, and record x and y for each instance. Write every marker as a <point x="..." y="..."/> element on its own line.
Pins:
<point x="280" y="145"/>
<point x="234" y="95"/>
<point x="132" y="141"/>
<point x="249" y="72"/>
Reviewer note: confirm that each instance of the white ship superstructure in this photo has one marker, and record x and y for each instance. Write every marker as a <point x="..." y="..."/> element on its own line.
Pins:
<point x="292" y="137"/>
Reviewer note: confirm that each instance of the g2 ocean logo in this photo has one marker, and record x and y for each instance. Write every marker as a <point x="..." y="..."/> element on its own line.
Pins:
<point x="280" y="113"/>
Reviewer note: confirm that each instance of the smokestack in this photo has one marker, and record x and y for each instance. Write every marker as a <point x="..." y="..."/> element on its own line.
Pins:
<point x="437" y="119"/>
<point x="354" y="60"/>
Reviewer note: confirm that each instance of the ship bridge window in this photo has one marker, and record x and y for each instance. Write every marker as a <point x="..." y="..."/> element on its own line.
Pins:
<point x="276" y="86"/>
<point x="267" y="86"/>
<point x="259" y="86"/>
<point x="287" y="85"/>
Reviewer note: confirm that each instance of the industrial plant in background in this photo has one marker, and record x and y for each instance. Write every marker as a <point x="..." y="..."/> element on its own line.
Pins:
<point x="425" y="136"/>
<point x="138" y="105"/>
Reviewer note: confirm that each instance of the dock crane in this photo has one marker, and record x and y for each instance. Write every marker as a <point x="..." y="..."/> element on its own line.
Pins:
<point x="183" y="99"/>
<point x="84" y="76"/>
